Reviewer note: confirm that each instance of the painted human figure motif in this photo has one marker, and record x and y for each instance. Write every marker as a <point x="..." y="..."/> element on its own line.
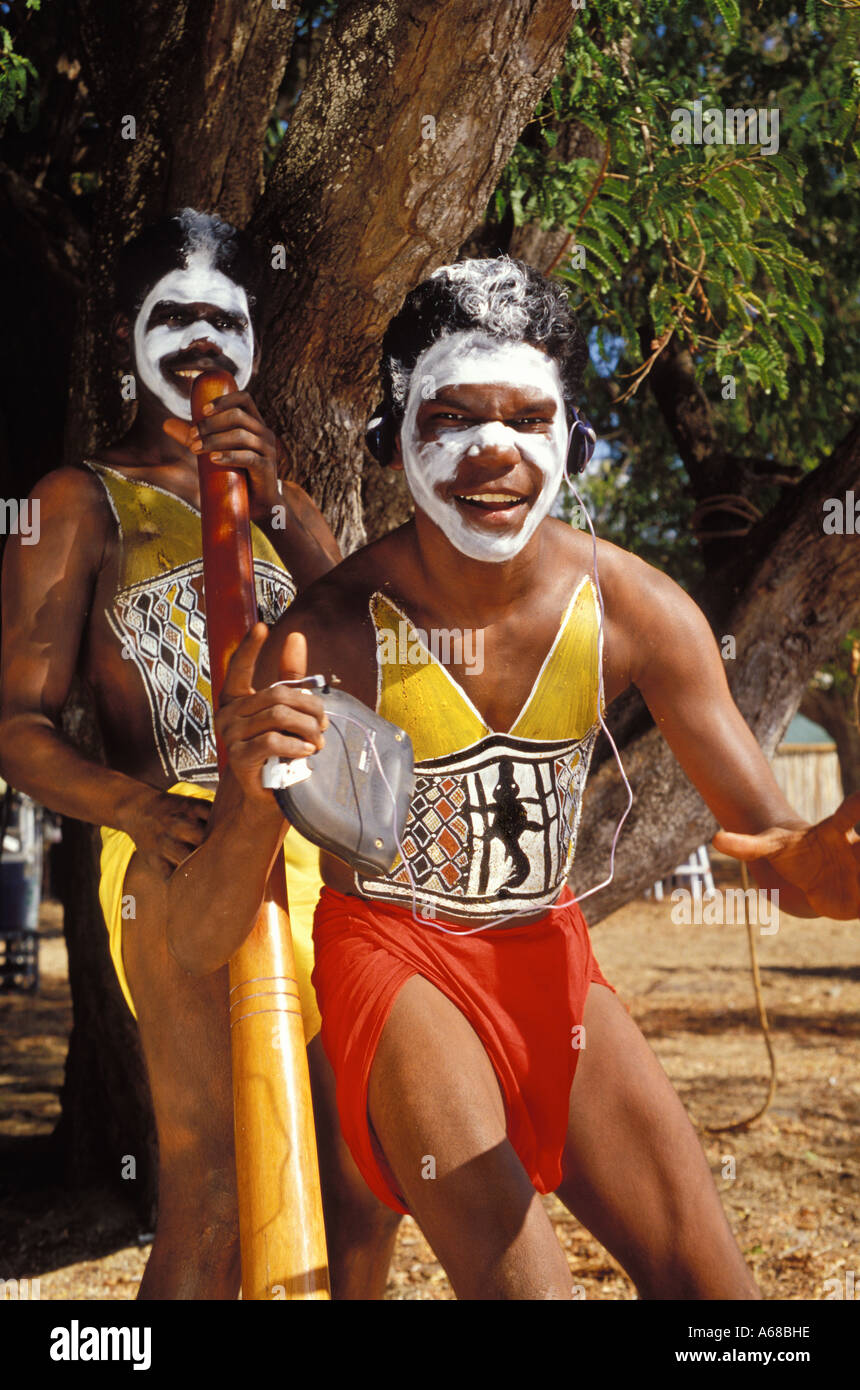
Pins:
<point x="510" y="821"/>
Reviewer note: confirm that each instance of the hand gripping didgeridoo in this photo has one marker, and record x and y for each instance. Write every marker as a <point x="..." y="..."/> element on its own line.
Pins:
<point x="280" y="1210"/>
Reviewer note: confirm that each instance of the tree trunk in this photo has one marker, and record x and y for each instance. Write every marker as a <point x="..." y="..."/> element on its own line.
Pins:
<point x="395" y="147"/>
<point x="834" y="711"/>
<point x="801" y="600"/>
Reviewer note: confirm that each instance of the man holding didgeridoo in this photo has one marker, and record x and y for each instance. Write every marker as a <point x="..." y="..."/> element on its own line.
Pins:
<point x="115" y="593"/>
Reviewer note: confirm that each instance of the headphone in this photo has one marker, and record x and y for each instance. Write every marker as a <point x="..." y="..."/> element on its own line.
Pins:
<point x="381" y="432"/>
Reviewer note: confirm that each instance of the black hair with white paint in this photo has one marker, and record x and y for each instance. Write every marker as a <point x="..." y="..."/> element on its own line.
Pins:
<point x="168" y="244"/>
<point x="501" y="297"/>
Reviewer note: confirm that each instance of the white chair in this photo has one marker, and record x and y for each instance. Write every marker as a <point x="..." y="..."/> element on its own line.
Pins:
<point x="697" y="871"/>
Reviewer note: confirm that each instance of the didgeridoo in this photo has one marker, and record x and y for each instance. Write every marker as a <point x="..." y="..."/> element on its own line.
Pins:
<point x="280" y="1209"/>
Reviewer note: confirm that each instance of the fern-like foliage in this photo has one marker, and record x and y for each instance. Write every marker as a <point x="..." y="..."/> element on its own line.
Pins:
<point x="744" y="250"/>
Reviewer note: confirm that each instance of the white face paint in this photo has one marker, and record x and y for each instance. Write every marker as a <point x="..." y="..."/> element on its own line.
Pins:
<point x="198" y="283"/>
<point x="474" y="359"/>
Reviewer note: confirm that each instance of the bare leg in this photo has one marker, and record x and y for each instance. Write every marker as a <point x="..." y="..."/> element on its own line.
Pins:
<point x="186" y="1043"/>
<point x="185" y="1036"/>
<point x="434" y="1096"/>
<point x="634" y="1171"/>
<point x="360" y="1230"/>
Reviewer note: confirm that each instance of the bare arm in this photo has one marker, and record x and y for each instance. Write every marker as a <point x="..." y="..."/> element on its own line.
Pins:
<point x="676" y="664"/>
<point x="230" y="869"/>
<point x="47" y="594"/>
<point x="318" y="548"/>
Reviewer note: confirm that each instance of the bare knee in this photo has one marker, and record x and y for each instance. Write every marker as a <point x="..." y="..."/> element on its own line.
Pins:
<point x="198" y="1194"/>
<point x="475" y="1202"/>
<point x="698" y="1261"/>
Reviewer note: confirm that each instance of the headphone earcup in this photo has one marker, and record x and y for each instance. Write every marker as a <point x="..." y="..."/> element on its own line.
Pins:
<point x="580" y="442"/>
<point x="380" y="434"/>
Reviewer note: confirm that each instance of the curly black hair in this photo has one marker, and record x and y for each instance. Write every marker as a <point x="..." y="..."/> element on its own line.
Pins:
<point x="501" y="297"/>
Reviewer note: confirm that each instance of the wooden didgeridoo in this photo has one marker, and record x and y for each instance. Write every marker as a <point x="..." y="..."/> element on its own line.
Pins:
<point x="281" y="1230"/>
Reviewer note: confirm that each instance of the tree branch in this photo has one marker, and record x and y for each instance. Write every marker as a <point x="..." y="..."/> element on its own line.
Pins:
<point x="800" y="601"/>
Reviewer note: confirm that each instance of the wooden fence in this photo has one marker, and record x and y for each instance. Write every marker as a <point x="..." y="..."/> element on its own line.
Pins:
<point x="808" y="774"/>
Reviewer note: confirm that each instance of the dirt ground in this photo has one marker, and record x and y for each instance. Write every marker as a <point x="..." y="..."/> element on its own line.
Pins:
<point x="792" y="1200"/>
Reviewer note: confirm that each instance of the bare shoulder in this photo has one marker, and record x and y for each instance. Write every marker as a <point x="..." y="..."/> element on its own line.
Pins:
<point x="662" y="630"/>
<point x="313" y="523"/>
<point x="301" y="503"/>
<point x="649" y="617"/>
<point x="75" y="490"/>
<point x="300" y="500"/>
<point x="333" y="614"/>
<point x="70" y="507"/>
<point x="630" y="586"/>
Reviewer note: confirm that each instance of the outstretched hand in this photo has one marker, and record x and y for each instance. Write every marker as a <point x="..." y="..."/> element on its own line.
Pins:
<point x="823" y="861"/>
<point x="278" y="722"/>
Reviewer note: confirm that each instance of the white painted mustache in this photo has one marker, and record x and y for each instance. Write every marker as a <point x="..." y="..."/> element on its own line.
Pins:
<point x="235" y="346"/>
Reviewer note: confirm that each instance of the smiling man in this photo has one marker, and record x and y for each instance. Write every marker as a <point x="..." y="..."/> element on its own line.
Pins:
<point x="115" y="593"/>
<point x="481" y="1056"/>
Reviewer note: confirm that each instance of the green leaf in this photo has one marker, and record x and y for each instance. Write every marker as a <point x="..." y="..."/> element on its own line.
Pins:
<point x="731" y="14"/>
<point x="603" y="254"/>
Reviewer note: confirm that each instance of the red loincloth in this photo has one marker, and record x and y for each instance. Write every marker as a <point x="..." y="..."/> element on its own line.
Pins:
<point x="522" y="989"/>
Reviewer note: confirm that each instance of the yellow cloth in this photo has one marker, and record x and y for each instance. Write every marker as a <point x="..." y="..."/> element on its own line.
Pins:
<point x="303" y="889"/>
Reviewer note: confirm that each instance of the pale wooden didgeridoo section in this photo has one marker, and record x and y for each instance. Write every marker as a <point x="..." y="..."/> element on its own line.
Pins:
<point x="280" y="1211"/>
<point x="281" y="1229"/>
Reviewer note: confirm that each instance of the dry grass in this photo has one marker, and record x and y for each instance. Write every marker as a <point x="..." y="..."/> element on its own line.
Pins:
<point x="793" y="1202"/>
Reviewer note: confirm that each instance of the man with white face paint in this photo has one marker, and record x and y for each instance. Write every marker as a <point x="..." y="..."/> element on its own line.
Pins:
<point x="505" y="524"/>
<point x="166" y="329"/>
<point x="117" y="594"/>
<point x="481" y="1056"/>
